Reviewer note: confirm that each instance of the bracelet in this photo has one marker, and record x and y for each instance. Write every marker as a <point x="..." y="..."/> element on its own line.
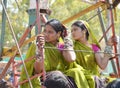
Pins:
<point x="67" y="46"/>
<point x="108" y="51"/>
<point x="68" y="43"/>
<point x="38" y="58"/>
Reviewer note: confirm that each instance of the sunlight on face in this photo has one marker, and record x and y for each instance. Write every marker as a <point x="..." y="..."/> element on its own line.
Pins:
<point x="76" y="32"/>
<point x="50" y="34"/>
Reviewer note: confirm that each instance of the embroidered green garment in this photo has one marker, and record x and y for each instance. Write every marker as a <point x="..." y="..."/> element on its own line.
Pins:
<point x="54" y="60"/>
<point x="87" y="59"/>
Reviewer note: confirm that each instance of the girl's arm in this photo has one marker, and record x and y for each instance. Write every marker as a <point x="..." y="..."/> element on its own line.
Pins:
<point x="69" y="53"/>
<point x="38" y="65"/>
<point x="102" y="61"/>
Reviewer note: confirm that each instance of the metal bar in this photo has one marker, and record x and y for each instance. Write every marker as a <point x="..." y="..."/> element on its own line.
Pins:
<point x="94" y="15"/>
<point x="19" y="83"/>
<point x="113" y="32"/>
<point x="28" y="30"/>
<point x="15" y="76"/>
<point x="105" y="33"/>
<point x="98" y="4"/>
<point x="20" y="63"/>
<point x="38" y="16"/>
<point x="3" y="28"/>
<point x="39" y="31"/>
<point x="102" y="24"/>
<point x="7" y="66"/>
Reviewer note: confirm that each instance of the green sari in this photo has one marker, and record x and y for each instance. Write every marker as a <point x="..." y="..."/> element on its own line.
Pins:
<point x="30" y="68"/>
<point x="54" y="60"/>
<point x="86" y="59"/>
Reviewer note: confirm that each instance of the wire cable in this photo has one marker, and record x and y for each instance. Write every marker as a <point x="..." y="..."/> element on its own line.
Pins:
<point x="81" y="50"/>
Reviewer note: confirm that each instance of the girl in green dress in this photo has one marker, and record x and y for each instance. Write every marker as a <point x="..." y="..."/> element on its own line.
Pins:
<point x="85" y="40"/>
<point x="55" y="59"/>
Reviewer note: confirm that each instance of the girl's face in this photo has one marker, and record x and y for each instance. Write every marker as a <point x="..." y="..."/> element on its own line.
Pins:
<point x="77" y="33"/>
<point x="51" y="35"/>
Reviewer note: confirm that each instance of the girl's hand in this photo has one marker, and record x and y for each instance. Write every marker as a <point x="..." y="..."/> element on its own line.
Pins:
<point x="111" y="41"/>
<point x="40" y="40"/>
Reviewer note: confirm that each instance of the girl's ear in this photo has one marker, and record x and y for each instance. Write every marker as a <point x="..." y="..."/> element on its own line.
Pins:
<point x="84" y="31"/>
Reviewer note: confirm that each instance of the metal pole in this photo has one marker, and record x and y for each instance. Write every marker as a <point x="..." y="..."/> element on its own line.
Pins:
<point x="39" y="31"/>
<point x="105" y="37"/>
<point x="3" y="27"/>
<point x="102" y="24"/>
<point x="113" y="32"/>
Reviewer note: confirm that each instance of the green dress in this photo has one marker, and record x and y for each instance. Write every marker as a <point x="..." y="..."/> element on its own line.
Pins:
<point x="54" y="60"/>
<point x="30" y="69"/>
<point x="86" y="59"/>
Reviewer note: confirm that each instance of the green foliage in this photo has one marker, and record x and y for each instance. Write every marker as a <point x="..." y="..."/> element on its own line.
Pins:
<point x="19" y="21"/>
<point x="25" y="2"/>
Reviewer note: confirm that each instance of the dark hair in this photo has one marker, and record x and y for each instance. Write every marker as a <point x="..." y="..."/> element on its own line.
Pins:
<point x="114" y="84"/>
<point x="81" y="25"/>
<point x="56" y="79"/>
<point x="57" y="26"/>
<point x="3" y="84"/>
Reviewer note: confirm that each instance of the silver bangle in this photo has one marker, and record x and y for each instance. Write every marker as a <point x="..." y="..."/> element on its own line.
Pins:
<point x="108" y="51"/>
<point x="38" y="57"/>
<point x="38" y="60"/>
<point x="68" y="43"/>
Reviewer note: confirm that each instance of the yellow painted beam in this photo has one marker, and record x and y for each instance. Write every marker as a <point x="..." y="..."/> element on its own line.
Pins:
<point x="93" y="7"/>
<point x="8" y="52"/>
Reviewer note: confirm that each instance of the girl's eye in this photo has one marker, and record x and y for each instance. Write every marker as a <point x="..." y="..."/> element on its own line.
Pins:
<point x="74" y="30"/>
<point x="48" y="32"/>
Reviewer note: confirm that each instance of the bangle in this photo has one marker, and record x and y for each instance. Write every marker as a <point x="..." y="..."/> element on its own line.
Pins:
<point x="108" y="51"/>
<point x="38" y="57"/>
<point x="38" y="60"/>
<point x="68" y="43"/>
